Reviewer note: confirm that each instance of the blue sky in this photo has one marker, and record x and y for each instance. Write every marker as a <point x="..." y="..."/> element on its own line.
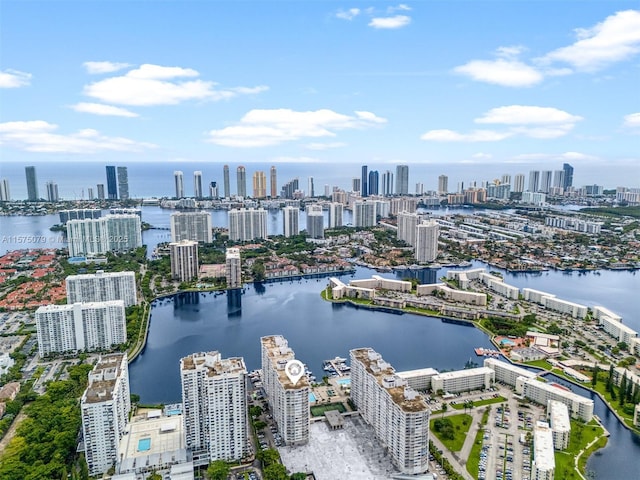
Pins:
<point x="446" y="83"/>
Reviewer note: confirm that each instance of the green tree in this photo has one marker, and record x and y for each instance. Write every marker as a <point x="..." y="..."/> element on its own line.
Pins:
<point x="258" y="271"/>
<point x="275" y="471"/>
<point x="268" y="456"/>
<point x="299" y="476"/>
<point x="218" y="470"/>
<point x="594" y="377"/>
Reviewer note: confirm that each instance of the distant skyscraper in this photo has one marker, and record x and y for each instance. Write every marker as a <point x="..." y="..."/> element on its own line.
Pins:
<point x="226" y="183"/>
<point x="123" y="183"/>
<point x="506" y="178"/>
<point x="233" y="268"/>
<point x="290" y="217"/>
<point x="364" y="214"/>
<point x="194" y="226"/>
<point x="355" y="185"/>
<point x="178" y="179"/>
<point x="426" y="242"/>
<point x="335" y="215"/>
<point x="364" y="185"/>
<point x="327" y="190"/>
<point x="32" y="184"/>
<point x="568" y="175"/>
<point x="90" y="195"/>
<point x="534" y="181"/>
<point x="273" y="177"/>
<point x="387" y="183"/>
<point x="241" y="180"/>
<point x="105" y="407"/>
<point x="374" y="182"/>
<point x="247" y="224"/>
<point x="52" y="191"/>
<point x="5" y="192"/>
<point x="443" y="185"/>
<point x="100" y="188"/>
<point x="558" y="179"/>
<point x="407" y="223"/>
<point x="545" y="181"/>
<point x="184" y="260"/>
<point x="419" y="188"/>
<point x="112" y="183"/>
<point x="310" y="188"/>
<point x="197" y="184"/>
<point x="213" y="190"/>
<point x="112" y="233"/>
<point x="315" y="224"/>
<point x="518" y="183"/>
<point x="259" y="185"/>
<point x="214" y="397"/>
<point x="402" y="180"/>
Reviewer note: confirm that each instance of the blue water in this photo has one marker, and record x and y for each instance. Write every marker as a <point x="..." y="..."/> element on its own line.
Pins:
<point x="173" y="412"/>
<point x="312" y="398"/>
<point x="144" y="444"/>
<point x="344" y="381"/>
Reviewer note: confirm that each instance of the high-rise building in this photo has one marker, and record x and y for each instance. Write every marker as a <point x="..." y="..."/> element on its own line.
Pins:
<point x="518" y="183"/>
<point x="426" y="246"/>
<point x="443" y="185"/>
<point x="194" y="226"/>
<point x="364" y="185"/>
<point x="335" y="215"/>
<point x="247" y="224"/>
<point x="197" y="184"/>
<point x="226" y="182"/>
<point x="214" y="400"/>
<point x="364" y="214"/>
<point x="273" y="178"/>
<point x="32" y="184"/>
<point x="241" y="180"/>
<point x="52" y="191"/>
<point x="233" y="268"/>
<point x="111" y="233"/>
<point x="178" y="179"/>
<point x="112" y="183"/>
<point x="290" y="221"/>
<point x="374" y="182"/>
<point x="402" y="180"/>
<point x="387" y="183"/>
<point x="123" y="183"/>
<point x="419" y="188"/>
<point x="213" y="190"/>
<point x="5" y="192"/>
<point x="558" y="179"/>
<point x="545" y="181"/>
<point x="105" y="407"/>
<point x="100" y="187"/>
<point x="534" y="181"/>
<point x="311" y="191"/>
<point x="407" y="223"/>
<point x="315" y="224"/>
<point x="290" y="188"/>
<point x="289" y="401"/>
<point x="506" y="178"/>
<point x="398" y="414"/>
<point x="80" y="326"/>
<point x="568" y="175"/>
<point x="259" y="185"/>
<point x="102" y="287"/>
<point x="90" y="193"/>
<point x="327" y="190"/>
<point x="544" y="464"/>
<point x="355" y="185"/>
<point x="184" y="260"/>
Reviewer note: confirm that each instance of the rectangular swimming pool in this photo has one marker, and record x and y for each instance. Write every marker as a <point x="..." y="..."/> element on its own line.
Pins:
<point x="144" y="444"/>
<point x="344" y="381"/>
<point x="312" y="398"/>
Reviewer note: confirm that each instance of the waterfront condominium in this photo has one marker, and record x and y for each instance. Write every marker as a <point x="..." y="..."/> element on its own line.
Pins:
<point x="241" y="180"/>
<point x="443" y="185"/>
<point x="544" y="463"/>
<point x="539" y="392"/>
<point x="289" y="402"/>
<point x="184" y="260"/>
<point x="568" y="175"/>
<point x="80" y="327"/>
<point x="364" y="214"/>
<point x="315" y="224"/>
<point x="112" y="233"/>
<point x="335" y="215"/>
<point x="112" y="183"/>
<point x="407" y="223"/>
<point x="5" y="191"/>
<point x="534" y="181"/>
<point x="402" y="180"/>
<point x="178" y="180"/>
<point x="123" y="183"/>
<point x="233" y="268"/>
<point x="387" y="184"/>
<point x="52" y="191"/>
<point x="32" y="184"/>
<point x="225" y="181"/>
<point x="195" y="226"/>
<point x="426" y="246"/>
<point x="214" y="400"/>
<point x="398" y="414"/>
<point x="101" y="287"/>
<point x="259" y="184"/>
<point x="247" y="224"/>
<point x="273" y="178"/>
<point x="290" y="221"/>
<point x="197" y="184"/>
<point x="105" y="407"/>
<point x="364" y="178"/>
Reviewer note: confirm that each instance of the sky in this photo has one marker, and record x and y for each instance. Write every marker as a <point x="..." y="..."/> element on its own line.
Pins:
<point x="453" y="84"/>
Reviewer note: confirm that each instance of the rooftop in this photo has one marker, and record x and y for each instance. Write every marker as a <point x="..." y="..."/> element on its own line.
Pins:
<point x="465" y="373"/>
<point x="559" y="416"/>
<point x="543" y="454"/>
<point x="279" y="353"/>
<point x="214" y="363"/>
<point x="103" y="378"/>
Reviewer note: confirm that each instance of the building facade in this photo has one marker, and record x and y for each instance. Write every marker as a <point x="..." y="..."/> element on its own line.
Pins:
<point x="335" y="215"/>
<point x="364" y="213"/>
<point x="101" y="287"/>
<point x="259" y="185"/>
<point x="247" y="224"/>
<point x="184" y="260"/>
<point x="241" y="181"/>
<point x="32" y="184"/>
<point x="123" y="183"/>
<point x="315" y="224"/>
<point x="402" y="180"/>
<point x="178" y="180"/>
<point x="426" y="246"/>
<point x="407" y="223"/>
<point x="233" y="268"/>
<point x="481" y="378"/>
<point x="112" y="183"/>
<point x="195" y="226"/>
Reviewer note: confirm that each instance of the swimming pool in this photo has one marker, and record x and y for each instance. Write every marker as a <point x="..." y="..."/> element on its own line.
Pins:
<point x="344" y="381"/>
<point x="174" y="412"/>
<point x="144" y="444"/>
<point x="312" y="398"/>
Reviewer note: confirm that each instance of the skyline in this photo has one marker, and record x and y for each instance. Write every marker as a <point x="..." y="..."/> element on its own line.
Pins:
<point x="440" y="85"/>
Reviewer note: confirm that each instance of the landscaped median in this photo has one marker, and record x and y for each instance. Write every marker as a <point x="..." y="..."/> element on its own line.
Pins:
<point x="478" y="403"/>
<point x="473" y="462"/>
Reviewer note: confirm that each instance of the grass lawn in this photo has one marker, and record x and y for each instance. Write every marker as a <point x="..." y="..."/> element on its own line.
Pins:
<point x="473" y="461"/>
<point x="615" y="404"/>
<point x="480" y="403"/>
<point x="540" y="364"/>
<point x="319" y="410"/>
<point x="581" y="435"/>
<point x="460" y="426"/>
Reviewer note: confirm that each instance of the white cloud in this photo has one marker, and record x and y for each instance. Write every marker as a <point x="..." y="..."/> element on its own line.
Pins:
<point x="348" y="14"/>
<point x="397" y="21"/>
<point x="504" y="72"/>
<point x="632" y="121"/>
<point x="445" y="135"/>
<point x="483" y="156"/>
<point x="527" y="114"/>
<point x="40" y="136"/>
<point x="615" y="39"/>
<point x="399" y="8"/>
<point x="294" y="160"/>
<point x="95" y="68"/>
<point x="259" y="128"/>
<point x="100" y="109"/>
<point x="566" y="156"/>
<point x="14" y="79"/>
<point x="150" y="85"/>
<point x="325" y="146"/>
